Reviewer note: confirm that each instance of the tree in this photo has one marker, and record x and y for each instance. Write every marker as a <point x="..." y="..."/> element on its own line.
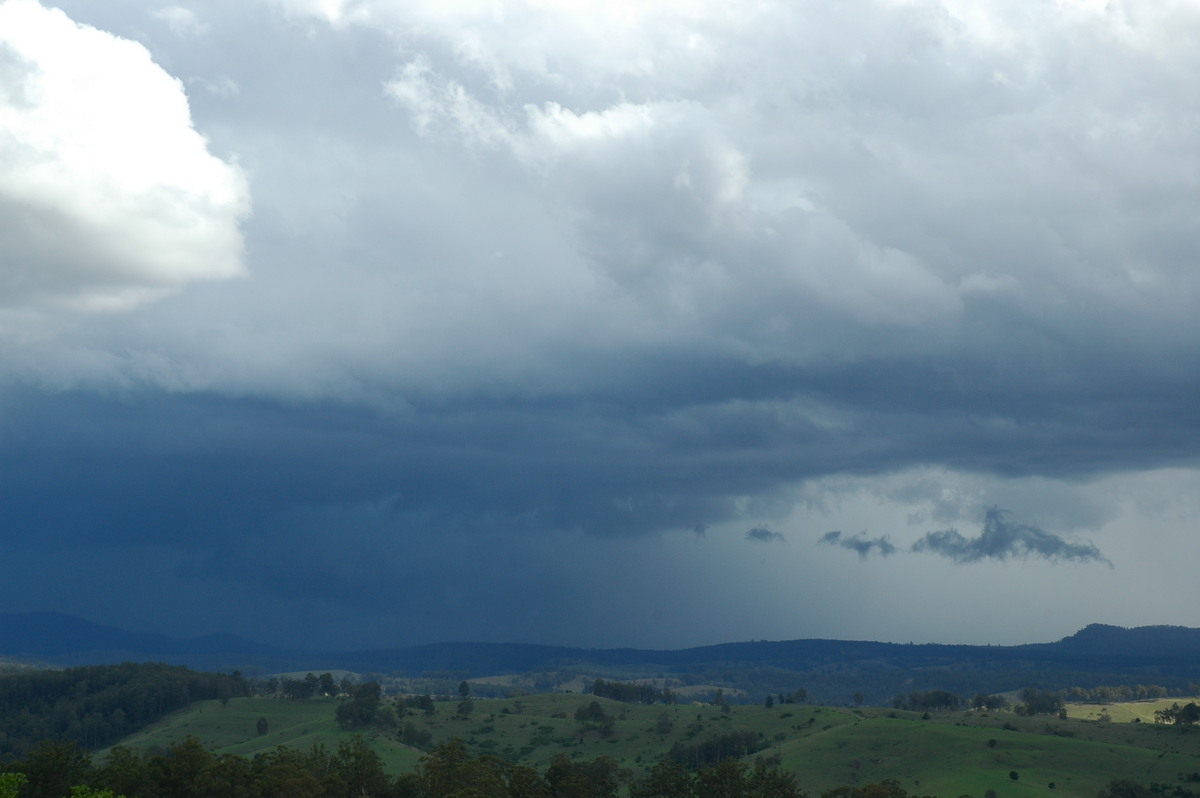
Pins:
<point x="1124" y="788"/>
<point x="566" y="779"/>
<point x="326" y="685"/>
<point x="592" y="713"/>
<point x="725" y="779"/>
<point x="989" y="702"/>
<point x="184" y="770"/>
<point x="10" y="784"/>
<point x="83" y="791"/>
<point x="767" y="780"/>
<point x="261" y="726"/>
<point x="1183" y="716"/>
<point x="600" y="778"/>
<point x="526" y="782"/>
<point x="665" y="780"/>
<point x="464" y="690"/>
<point x="442" y="771"/>
<point x="363" y="709"/>
<point x="123" y="772"/>
<point x="593" y="716"/>
<point x="360" y="768"/>
<point x="283" y="771"/>
<point x="1041" y="702"/>
<point x="417" y="738"/>
<point x="52" y="768"/>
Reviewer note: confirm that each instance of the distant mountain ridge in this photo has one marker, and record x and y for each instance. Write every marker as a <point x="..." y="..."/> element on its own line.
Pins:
<point x="57" y="637"/>
<point x="1158" y="640"/>
<point x="1096" y="654"/>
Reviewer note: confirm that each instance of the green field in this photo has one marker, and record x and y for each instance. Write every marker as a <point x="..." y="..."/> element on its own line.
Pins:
<point x="948" y="754"/>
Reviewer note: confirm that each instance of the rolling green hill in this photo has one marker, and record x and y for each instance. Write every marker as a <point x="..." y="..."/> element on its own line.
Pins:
<point x="233" y="728"/>
<point x="949" y="754"/>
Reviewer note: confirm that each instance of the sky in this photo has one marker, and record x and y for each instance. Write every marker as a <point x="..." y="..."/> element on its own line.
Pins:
<point x="373" y="323"/>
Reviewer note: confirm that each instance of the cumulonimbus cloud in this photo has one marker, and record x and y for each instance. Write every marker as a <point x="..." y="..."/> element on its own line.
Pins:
<point x="1001" y="538"/>
<point x="859" y="543"/>
<point x="108" y="194"/>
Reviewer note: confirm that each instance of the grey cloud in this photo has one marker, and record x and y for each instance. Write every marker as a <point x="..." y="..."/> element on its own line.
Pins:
<point x="1002" y="538"/>
<point x="663" y="300"/>
<point x="859" y="543"/>
<point x="760" y="534"/>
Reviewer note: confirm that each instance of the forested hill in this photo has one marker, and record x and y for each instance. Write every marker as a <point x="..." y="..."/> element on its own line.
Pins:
<point x="1155" y="641"/>
<point x="97" y="705"/>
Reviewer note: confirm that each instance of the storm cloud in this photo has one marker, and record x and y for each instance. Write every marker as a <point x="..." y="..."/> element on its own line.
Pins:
<point x="1002" y="538"/>
<point x="332" y="321"/>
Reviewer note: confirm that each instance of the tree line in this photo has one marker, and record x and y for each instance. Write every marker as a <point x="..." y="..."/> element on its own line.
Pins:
<point x="187" y="769"/>
<point x="733" y="745"/>
<point x="632" y="692"/>
<point x="1033" y="701"/>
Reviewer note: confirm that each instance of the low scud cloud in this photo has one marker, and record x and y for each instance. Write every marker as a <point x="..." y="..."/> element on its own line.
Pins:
<point x="1003" y="538"/>
<point x="761" y="534"/>
<point x="859" y="543"/>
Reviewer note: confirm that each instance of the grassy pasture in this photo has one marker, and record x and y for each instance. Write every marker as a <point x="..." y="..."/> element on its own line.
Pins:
<point x="941" y="758"/>
<point x="1124" y="712"/>
<point x="232" y="729"/>
<point x="948" y="755"/>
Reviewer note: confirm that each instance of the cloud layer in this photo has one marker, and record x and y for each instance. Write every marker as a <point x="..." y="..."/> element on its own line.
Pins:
<point x="554" y="287"/>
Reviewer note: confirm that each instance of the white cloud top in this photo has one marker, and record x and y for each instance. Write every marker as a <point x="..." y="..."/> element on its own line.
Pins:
<point x="108" y="196"/>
